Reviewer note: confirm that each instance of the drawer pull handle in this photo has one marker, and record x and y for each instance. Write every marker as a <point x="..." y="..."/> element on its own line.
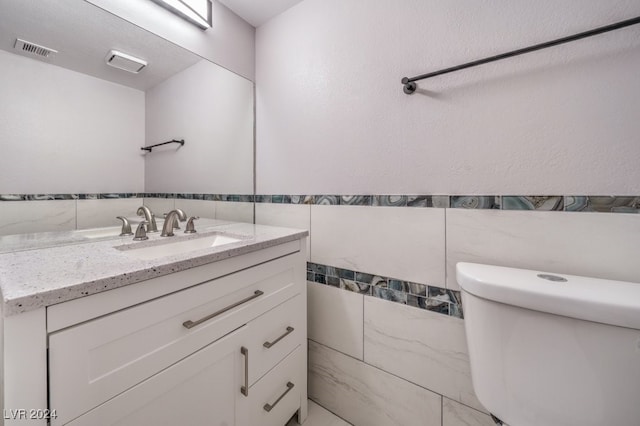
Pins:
<point x="268" y="407"/>
<point x="245" y="389"/>
<point x="269" y="344"/>
<point x="190" y="324"/>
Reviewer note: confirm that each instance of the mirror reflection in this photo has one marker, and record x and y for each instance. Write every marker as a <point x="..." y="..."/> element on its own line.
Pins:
<point x="73" y="125"/>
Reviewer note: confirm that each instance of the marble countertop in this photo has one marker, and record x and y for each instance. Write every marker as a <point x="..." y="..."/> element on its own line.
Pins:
<point x="39" y="277"/>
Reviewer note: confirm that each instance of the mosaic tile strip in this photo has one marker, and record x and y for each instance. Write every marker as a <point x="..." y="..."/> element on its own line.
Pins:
<point x="422" y="296"/>
<point x="44" y="197"/>
<point x="573" y="203"/>
<point x="567" y="203"/>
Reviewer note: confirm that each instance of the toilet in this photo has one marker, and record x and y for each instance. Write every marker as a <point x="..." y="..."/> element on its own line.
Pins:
<point x="552" y="349"/>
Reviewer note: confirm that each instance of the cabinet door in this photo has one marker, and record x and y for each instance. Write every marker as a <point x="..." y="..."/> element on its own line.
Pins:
<point x="202" y="389"/>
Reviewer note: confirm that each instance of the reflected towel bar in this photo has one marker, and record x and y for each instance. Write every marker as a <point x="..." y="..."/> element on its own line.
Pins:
<point x="150" y="148"/>
<point x="410" y="85"/>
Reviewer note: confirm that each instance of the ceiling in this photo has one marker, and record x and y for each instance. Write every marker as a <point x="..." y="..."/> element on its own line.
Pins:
<point x="257" y="12"/>
<point x="83" y="34"/>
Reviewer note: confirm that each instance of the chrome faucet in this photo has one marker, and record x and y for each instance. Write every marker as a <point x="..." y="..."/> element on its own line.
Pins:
<point x="141" y="233"/>
<point x="170" y="222"/>
<point x="149" y="217"/>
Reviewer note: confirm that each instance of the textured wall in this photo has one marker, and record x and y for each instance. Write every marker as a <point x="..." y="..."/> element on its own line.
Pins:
<point x="332" y="117"/>
<point x="66" y="132"/>
<point x="212" y="110"/>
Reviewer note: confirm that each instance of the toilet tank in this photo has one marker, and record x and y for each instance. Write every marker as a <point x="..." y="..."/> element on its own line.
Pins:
<point x="552" y="349"/>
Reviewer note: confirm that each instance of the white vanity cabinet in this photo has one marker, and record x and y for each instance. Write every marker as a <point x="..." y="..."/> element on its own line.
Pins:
<point x="219" y="344"/>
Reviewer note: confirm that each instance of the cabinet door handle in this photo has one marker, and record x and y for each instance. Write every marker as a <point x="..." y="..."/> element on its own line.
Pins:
<point x="268" y="407"/>
<point x="269" y="344"/>
<point x="190" y="324"/>
<point x="245" y="389"/>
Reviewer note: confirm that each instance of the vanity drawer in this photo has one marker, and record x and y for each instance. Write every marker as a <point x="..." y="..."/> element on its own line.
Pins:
<point x="273" y="335"/>
<point x="276" y="397"/>
<point x="96" y="360"/>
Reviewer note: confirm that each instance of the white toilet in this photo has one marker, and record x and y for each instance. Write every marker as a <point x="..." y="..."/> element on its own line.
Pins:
<point x="552" y="349"/>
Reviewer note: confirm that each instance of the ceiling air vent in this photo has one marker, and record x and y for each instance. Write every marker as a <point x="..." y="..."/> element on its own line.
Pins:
<point x="125" y="62"/>
<point x="33" y="49"/>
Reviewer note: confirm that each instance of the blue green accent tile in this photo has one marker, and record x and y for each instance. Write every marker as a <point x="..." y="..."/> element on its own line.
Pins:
<point x="318" y="269"/>
<point x="341" y="273"/>
<point x="389" y="294"/>
<point x="333" y="281"/>
<point x="437" y="305"/>
<point x="309" y="266"/>
<point x="88" y="196"/>
<point x="356" y="200"/>
<point x="319" y="278"/>
<point x="416" y="301"/>
<point x="441" y="201"/>
<point x="327" y="200"/>
<point x="310" y="276"/>
<point x="390" y="200"/>
<point x="419" y="201"/>
<point x="302" y="199"/>
<point x="364" y="278"/>
<point x="398" y="285"/>
<point x="244" y="198"/>
<point x="355" y="287"/>
<point x="455" y="310"/>
<point x="475" y="202"/>
<point x="602" y="204"/>
<point x="418" y="289"/>
<point x="542" y="203"/>
<point x="281" y="199"/>
<point x="263" y="198"/>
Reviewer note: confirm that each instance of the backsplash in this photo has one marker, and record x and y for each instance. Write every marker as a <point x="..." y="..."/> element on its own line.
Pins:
<point x="567" y="203"/>
<point x="431" y="298"/>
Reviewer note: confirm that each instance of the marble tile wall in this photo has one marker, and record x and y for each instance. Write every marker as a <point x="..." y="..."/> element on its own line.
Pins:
<point x="365" y="395"/>
<point x="99" y="213"/>
<point x="426" y="348"/>
<point x="286" y="215"/>
<point x="335" y="319"/>
<point x="589" y="244"/>
<point x="407" y="244"/>
<point x="369" y="358"/>
<point x="18" y="217"/>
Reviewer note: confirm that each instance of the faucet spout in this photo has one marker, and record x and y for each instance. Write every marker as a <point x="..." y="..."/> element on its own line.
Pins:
<point x="171" y="221"/>
<point x="149" y="217"/>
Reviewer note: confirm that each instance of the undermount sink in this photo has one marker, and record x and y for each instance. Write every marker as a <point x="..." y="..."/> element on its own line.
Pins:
<point x="181" y="246"/>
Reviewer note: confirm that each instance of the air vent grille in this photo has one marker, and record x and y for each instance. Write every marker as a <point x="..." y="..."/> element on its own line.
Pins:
<point x="34" y="49"/>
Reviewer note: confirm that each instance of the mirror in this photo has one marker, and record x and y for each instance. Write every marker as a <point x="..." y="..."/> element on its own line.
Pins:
<point x="74" y="125"/>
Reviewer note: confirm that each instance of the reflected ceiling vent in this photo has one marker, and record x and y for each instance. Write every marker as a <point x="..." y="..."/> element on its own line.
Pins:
<point x="125" y="62"/>
<point x="33" y="49"/>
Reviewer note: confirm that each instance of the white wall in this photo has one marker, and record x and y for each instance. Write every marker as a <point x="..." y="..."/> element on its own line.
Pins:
<point x="212" y="110"/>
<point x="66" y="132"/>
<point x="230" y="43"/>
<point x="332" y="117"/>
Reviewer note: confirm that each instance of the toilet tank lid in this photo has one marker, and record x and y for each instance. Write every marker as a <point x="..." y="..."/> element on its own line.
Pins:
<point x="591" y="299"/>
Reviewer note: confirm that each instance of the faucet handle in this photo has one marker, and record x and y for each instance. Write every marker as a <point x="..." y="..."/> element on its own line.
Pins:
<point x="141" y="232"/>
<point x="191" y="229"/>
<point x="126" y="227"/>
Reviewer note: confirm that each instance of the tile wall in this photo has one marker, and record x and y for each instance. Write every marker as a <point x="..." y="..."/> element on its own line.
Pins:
<point x="386" y="329"/>
<point x="386" y="326"/>
<point x="64" y="212"/>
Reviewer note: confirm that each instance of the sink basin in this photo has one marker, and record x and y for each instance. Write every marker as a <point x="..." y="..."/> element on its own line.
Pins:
<point x="172" y="248"/>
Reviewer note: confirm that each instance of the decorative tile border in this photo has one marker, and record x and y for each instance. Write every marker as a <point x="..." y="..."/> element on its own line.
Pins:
<point x="111" y="196"/>
<point x="567" y="203"/>
<point x="435" y="299"/>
